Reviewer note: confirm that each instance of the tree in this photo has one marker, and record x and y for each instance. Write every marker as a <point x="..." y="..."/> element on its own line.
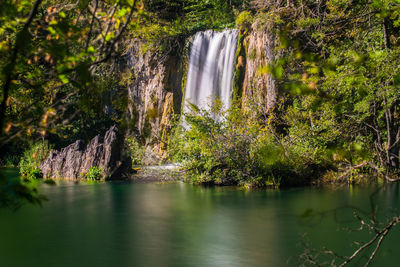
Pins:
<point x="341" y="71"/>
<point x="53" y="58"/>
<point x="50" y="61"/>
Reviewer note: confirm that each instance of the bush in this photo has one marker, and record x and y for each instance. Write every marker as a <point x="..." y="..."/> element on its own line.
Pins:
<point x="35" y="174"/>
<point x="10" y="161"/>
<point x="136" y="151"/>
<point x="231" y="148"/>
<point x="244" y="20"/>
<point x="94" y="173"/>
<point x="29" y="165"/>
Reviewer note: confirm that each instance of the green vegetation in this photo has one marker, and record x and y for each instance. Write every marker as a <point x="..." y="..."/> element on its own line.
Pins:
<point x="336" y="69"/>
<point x="10" y="161"/>
<point x="14" y="192"/>
<point x="136" y="151"/>
<point x="53" y="72"/>
<point x="336" y="66"/>
<point x="55" y="57"/>
<point x="167" y="23"/>
<point x="94" y="173"/>
<point x="244" y="20"/>
<point x="337" y="73"/>
<point x="32" y="159"/>
<point x="340" y="70"/>
<point x="229" y="148"/>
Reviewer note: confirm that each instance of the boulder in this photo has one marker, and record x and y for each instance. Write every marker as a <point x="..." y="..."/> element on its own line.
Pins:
<point x="73" y="161"/>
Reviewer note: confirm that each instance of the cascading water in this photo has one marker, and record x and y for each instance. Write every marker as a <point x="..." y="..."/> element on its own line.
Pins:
<point x="211" y="65"/>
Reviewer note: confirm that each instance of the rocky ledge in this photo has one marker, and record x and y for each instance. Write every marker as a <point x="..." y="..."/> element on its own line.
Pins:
<point x="73" y="161"/>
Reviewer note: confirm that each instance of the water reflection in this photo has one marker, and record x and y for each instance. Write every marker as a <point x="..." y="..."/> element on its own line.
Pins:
<point x="120" y="224"/>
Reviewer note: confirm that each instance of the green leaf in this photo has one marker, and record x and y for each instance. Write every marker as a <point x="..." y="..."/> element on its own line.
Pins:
<point x="91" y="49"/>
<point x="63" y="78"/>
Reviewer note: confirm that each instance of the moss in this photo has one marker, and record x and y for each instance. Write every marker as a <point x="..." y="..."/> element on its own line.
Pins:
<point x="253" y="54"/>
<point x="152" y="113"/>
<point x="165" y="121"/>
<point x="153" y="99"/>
<point x="146" y="129"/>
<point x="244" y="21"/>
<point x="240" y="68"/>
<point x="185" y="68"/>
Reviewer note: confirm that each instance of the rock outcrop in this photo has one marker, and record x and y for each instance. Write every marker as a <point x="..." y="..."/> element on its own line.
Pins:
<point x="259" y="88"/>
<point x="155" y="81"/>
<point x="155" y="93"/>
<point x="73" y="161"/>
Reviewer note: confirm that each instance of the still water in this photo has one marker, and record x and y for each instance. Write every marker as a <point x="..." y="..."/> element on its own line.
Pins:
<point x="128" y="224"/>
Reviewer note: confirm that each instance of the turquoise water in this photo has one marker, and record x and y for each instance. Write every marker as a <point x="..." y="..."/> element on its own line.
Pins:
<point x="128" y="224"/>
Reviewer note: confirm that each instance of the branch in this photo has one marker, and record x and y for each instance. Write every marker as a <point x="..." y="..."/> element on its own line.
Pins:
<point x="381" y="235"/>
<point x="117" y="37"/>
<point x="114" y="8"/>
<point x="91" y="25"/>
<point x="11" y="66"/>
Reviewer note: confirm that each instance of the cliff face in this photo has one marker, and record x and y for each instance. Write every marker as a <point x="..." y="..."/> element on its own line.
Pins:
<point x="259" y="88"/>
<point x="155" y="93"/>
<point x="156" y="86"/>
<point x="75" y="160"/>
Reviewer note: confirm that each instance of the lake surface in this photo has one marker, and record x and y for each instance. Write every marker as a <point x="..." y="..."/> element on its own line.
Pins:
<point x="128" y="224"/>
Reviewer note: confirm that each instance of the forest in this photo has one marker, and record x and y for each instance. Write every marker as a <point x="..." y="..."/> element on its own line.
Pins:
<point x="335" y="70"/>
<point x="255" y="94"/>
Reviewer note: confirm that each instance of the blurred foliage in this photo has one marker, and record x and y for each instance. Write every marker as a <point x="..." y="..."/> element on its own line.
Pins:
<point x="338" y="75"/>
<point x="54" y="78"/>
<point x="14" y="192"/>
<point x="56" y="60"/>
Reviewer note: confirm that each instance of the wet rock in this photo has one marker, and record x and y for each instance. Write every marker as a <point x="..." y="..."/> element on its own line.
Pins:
<point x="74" y="161"/>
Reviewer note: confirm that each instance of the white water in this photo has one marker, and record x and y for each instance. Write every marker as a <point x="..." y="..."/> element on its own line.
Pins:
<point x="211" y="65"/>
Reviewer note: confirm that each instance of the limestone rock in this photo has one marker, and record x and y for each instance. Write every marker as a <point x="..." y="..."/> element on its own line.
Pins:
<point x="156" y="90"/>
<point x="74" y="161"/>
<point x="259" y="89"/>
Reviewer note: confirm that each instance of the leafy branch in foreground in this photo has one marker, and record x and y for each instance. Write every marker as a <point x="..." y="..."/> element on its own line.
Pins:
<point x="53" y="63"/>
<point x="53" y="68"/>
<point x="14" y="192"/>
<point x="339" y="77"/>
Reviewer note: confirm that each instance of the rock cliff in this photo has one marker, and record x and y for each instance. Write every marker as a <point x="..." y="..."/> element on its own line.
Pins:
<point x="155" y="93"/>
<point x="156" y="80"/>
<point x="259" y="87"/>
<point x="73" y="161"/>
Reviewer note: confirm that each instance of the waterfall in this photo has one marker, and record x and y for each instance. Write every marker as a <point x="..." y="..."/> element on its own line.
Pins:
<point x="211" y="65"/>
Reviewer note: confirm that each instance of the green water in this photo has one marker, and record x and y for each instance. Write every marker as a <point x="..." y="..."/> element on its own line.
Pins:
<point x="127" y="224"/>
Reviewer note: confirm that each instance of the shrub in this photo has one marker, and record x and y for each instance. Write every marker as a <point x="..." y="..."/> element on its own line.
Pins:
<point x="135" y="151"/>
<point x="32" y="159"/>
<point x="10" y="161"/>
<point x="231" y="148"/>
<point x="218" y="146"/>
<point x="35" y="174"/>
<point x="244" y="20"/>
<point x="94" y="173"/>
